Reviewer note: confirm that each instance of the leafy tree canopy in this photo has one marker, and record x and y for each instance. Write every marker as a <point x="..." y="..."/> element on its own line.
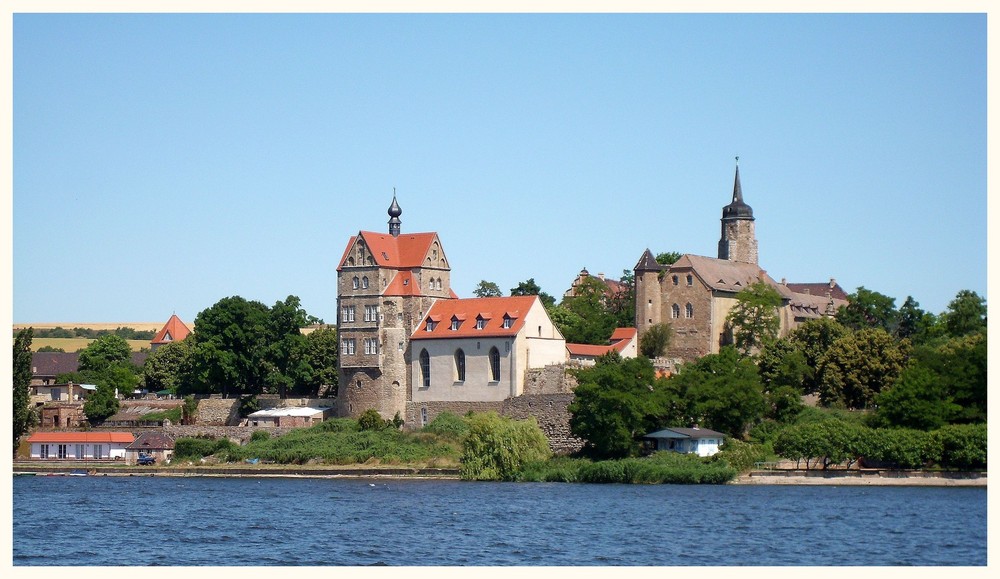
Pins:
<point x="104" y="352"/>
<point x="858" y="366"/>
<point x="487" y="289"/>
<point x="667" y="257"/>
<point x="592" y="322"/>
<point x="966" y="314"/>
<point x="754" y="319"/>
<point x="722" y="392"/>
<point x="530" y="288"/>
<point x="21" y="398"/>
<point x="868" y="309"/>
<point x="654" y="342"/>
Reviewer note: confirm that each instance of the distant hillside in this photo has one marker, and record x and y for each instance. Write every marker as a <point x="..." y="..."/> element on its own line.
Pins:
<point x="154" y="326"/>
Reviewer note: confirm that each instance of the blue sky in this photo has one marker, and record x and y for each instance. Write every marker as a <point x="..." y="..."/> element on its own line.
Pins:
<point x="163" y="162"/>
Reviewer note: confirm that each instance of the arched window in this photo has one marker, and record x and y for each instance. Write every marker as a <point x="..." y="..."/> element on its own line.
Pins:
<point x="460" y="364"/>
<point x="674" y="279"/>
<point x="688" y="311"/>
<point x="364" y="282"/>
<point x="425" y="368"/>
<point x="675" y="311"/>
<point x="494" y="364"/>
<point x="350" y="261"/>
<point x="690" y="279"/>
<point x="356" y="282"/>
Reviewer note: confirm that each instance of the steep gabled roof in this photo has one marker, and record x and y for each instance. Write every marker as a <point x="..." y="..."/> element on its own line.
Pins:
<point x="173" y="331"/>
<point x="623" y="334"/>
<point x="648" y="263"/>
<point x="620" y="339"/>
<point x="404" y="283"/>
<point x="406" y="251"/>
<point x="152" y="441"/>
<point x="491" y="310"/>
<point x="726" y="275"/>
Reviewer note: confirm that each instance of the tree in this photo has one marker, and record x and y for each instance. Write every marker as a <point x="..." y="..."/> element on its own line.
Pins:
<point x="868" y="309"/>
<point x="487" y="289"/>
<point x="592" y="323"/>
<point x="654" y="342"/>
<point x="859" y="366"/>
<point x="782" y="364"/>
<point x="914" y="323"/>
<point x="166" y="365"/>
<point x="813" y="338"/>
<point x="496" y="448"/>
<point x="530" y="288"/>
<point x="105" y="352"/>
<point x="754" y="318"/>
<point x="667" y="258"/>
<point x="50" y="349"/>
<point x="21" y="397"/>
<point x="616" y="402"/>
<point x="230" y="345"/>
<point x="322" y="350"/>
<point x="101" y="404"/>
<point x="966" y="314"/>
<point x="918" y="400"/>
<point x="620" y="304"/>
<point x="721" y="391"/>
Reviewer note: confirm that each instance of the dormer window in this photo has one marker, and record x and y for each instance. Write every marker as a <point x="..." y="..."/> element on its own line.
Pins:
<point x="480" y="323"/>
<point x="507" y="322"/>
<point x="455" y="323"/>
<point x="431" y="324"/>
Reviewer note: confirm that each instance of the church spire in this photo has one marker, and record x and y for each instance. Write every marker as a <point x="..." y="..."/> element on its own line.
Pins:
<point x="737" y="190"/>
<point x="738" y="209"/>
<point x="394" y="213"/>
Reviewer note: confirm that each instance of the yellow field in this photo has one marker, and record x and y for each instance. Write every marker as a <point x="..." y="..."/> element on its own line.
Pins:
<point x="74" y="344"/>
<point x="155" y="326"/>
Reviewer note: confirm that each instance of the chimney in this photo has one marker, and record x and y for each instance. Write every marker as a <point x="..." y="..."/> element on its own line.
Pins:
<point x="601" y="275"/>
<point x="833" y="282"/>
<point x="784" y="281"/>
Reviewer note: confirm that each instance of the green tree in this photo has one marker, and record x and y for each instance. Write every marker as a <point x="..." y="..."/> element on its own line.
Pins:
<point x="229" y="350"/>
<point x="620" y="304"/>
<point x="654" y="342"/>
<point x="966" y="314"/>
<point x="868" y="309"/>
<point x="782" y="364"/>
<point x="592" y="323"/>
<point x="721" y="391"/>
<point x="859" y="366"/>
<point x="754" y="319"/>
<point x="530" y="288"/>
<point x="104" y="352"/>
<point x="813" y="338"/>
<point x="50" y="349"/>
<point x="497" y="448"/>
<point x="102" y="403"/>
<point x="487" y="289"/>
<point x="915" y="324"/>
<point x="320" y="374"/>
<point x="616" y="402"/>
<point x="667" y="257"/>
<point x="918" y="400"/>
<point x="165" y="366"/>
<point x="21" y="397"/>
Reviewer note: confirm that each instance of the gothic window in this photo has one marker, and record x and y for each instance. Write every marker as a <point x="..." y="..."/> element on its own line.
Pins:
<point x="690" y="279"/>
<point x="494" y="364"/>
<point x="425" y="368"/>
<point x="688" y="311"/>
<point x="674" y="279"/>
<point x="364" y="282"/>
<point x="357" y="282"/>
<point x="675" y="311"/>
<point x="460" y="365"/>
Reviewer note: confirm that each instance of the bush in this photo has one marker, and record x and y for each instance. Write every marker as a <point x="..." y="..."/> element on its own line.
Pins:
<point x="371" y="420"/>
<point x="338" y="425"/>
<point x="259" y="435"/>
<point x="741" y="455"/>
<point x="496" y="448"/>
<point x="198" y="448"/>
<point x="962" y="446"/>
<point x="448" y="424"/>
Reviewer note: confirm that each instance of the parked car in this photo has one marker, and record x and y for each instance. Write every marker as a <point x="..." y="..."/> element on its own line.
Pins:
<point x="146" y="460"/>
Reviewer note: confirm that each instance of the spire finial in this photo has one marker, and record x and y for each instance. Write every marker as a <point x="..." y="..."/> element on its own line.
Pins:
<point x="394" y="213"/>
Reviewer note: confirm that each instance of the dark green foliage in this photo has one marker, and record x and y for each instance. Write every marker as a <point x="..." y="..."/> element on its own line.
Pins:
<point x="667" y="257"/>
<point x="654" y="342"/>
<point x="915" y="324"/>
<point x="722" y="392"/>
<point x="920" y="399"/>
<point x="617" y="402"/>
<point x="21" y="397"/>
<point x="189" y="410"/>
<point x="783" y="404"/>
<point x="782" y="363"/>
<point x="742" y="455"/>
<point x="754" y="319"/>
<point x="660" y="468"/>
<point x="50" y="349"/>
<point x="900" y="448"/>
<point x="198" y="448"/>
<point x="101" y="404"/>
<point x="813" y="339"/>
<point x="104" y="352"/>
<point x="124" y="333"/>
<point x="248" y="405"/>
<point x="319" y="371"/>
<point x="448" y="424"/>
<point x="829" y="441"/>
<point x="338" y="425"/>
<point x="587" y="317"/>
<point x="869" y="310"/>
<point x="371" y="420"/>
<point x="487" y="289"/>
<point x="165" y="365"/>
<point x="966" y="314"/>
<point x="962" y="446"/>
<point x="530" y="288"/>
<point x="496" y="448"/>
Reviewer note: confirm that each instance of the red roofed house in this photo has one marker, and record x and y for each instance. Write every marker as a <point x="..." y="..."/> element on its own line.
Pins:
<point x="386" y="282"/>
<point x="625" y="341"/>
<point x="173" y="331"/>
<point x="479" y="349"/>
<point x="79" y="445"/>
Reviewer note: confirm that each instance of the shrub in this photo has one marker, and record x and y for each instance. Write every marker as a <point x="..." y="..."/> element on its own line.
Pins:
<point x="197" y="448"/>
<point x="337" y="425"/>
<point x="741" y="455"/>
<point x="371" y="420"/>
<point x="496" y="448"/>
<point x="259" y="435"/>
<point x="962" y="446"/>
<point x="448" y="424"/>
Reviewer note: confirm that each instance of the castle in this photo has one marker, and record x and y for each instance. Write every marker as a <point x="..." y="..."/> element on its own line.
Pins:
<point x="695" y="293"/>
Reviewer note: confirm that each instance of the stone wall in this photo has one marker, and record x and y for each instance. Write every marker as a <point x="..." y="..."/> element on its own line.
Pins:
<point x="552" y="379"/>
<point x="240" y="434"/>
<point x="218" y="411"/>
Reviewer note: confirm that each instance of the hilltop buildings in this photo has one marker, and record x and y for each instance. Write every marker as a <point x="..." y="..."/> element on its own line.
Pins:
<point x="695" y="294"/>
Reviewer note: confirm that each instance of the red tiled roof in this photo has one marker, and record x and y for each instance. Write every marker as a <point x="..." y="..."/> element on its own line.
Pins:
<point x="173" y="331"/>
<point x="620" y="338"/>
<point x="402" y="284"/>
<point x="81" y="437"/>
<point x="492" y="310"/>
<point x="623" y="334"/>
<point x="407" y="250"/>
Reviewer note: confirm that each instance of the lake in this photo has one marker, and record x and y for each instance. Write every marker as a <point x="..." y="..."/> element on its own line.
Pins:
<point x="142" y="520"/>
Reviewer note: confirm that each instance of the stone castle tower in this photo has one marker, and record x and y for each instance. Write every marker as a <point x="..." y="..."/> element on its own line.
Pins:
<point x="385" y="285"/>
<point x="738" y="241"/>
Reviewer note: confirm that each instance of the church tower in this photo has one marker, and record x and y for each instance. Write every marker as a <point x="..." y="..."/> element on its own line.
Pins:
<point x="738" y="242"/>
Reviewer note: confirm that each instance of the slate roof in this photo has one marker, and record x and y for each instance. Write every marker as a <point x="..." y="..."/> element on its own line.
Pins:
<point x="54" y="363"/>
<point x="648" y="263"/>
<point x="406" y="251"/>
<point x="727" y="275"/>
<point x="173" y="331"/>
<point x="152" y="441"/>
<point x="492" y="310"/>
<point x="685" y="433"/>
<point x="81" y="437"/>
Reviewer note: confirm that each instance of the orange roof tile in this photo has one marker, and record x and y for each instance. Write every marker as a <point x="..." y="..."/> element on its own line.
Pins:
<point x="623" y="334"/>
<point x="407" y="250"/>
<point x="173" y="331"/>
<point x="588" y="350"/>
<point x="492" y="310"/>
<point x="81" y="437"/>
<point x="402" y="284"/>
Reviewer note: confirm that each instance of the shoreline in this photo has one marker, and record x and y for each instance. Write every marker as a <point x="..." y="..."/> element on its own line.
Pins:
<point x="803" y="478"/>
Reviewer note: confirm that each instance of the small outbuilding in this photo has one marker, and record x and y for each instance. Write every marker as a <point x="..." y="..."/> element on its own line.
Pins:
<point x="156" y="444"/>
<point x="293" y="417"/>
<point x="79" y="445"/>
<point x="700" y="441"/>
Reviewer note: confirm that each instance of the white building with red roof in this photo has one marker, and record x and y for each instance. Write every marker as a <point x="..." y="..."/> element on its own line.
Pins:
<point x="79" y="445"/>
<point x="625" y="341"/>
<point x="480" y="349"/>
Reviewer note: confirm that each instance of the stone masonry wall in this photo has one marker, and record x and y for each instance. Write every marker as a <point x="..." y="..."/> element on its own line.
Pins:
<point x="553" y="379"/>
<point x="239" y="434"/>
<point x="218" y="411"/>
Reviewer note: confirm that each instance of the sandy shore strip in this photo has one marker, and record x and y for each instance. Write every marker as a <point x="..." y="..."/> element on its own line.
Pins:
<point x="922" y="481"/>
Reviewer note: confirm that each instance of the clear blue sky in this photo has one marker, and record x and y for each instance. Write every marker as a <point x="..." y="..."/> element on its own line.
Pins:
<point x="163" y="162"/>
